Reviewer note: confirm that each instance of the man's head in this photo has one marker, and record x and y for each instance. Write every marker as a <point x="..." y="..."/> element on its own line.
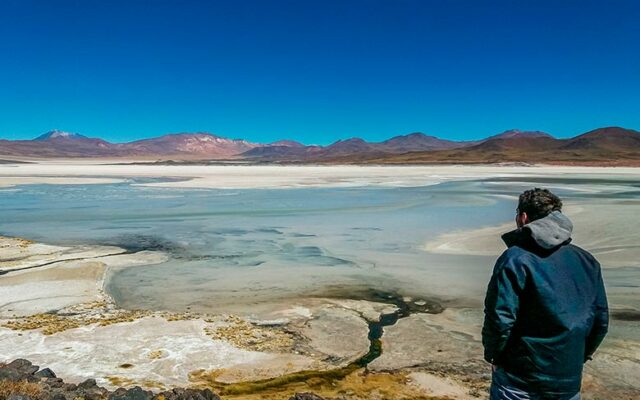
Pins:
<point x="535" y="204"/>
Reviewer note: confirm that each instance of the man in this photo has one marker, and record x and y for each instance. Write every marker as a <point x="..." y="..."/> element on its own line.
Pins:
<point x="545" y="309"/>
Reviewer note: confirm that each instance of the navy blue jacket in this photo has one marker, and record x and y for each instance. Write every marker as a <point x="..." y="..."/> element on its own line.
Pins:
<point x="545" y="309"/>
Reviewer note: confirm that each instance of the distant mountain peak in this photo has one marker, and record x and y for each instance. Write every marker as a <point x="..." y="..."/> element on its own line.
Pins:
<point x="197" y="137"/>
<point x="350" y="140"/>
<point x="417" y="134"/>
<point x="287" y="143"/>
<point x="610" y="131"/>
<point x="417" y="141"/>
<point x="205" y="135"/>
<point x="412" y="136"/>
<point x="58" y="134"/>
<point x="517" y="133"/>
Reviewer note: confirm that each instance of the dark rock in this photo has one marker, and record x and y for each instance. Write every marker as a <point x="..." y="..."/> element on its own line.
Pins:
<point x="54" y="388"/>
<point x="45" y="396"/>
<point x="187" y="394"/>
<point x="54" y="382"/>
<point x="209" y="395"/>
<point x="89" y="390"/>
<point x="132" y="394"/>
<point x="192" y="394"/>
<point x="305" y="396"/>
<point x="94" y="395"/>
<point x="118" y="393"/>
<point x="88" y="384"/>
<point x="18" y="397"/>
<point x="10" y="374"/>
<point x="23" y="366"/>
<point x="45" y="373"/>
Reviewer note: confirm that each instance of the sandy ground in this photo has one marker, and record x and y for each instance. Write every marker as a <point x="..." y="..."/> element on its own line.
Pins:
<point x="272" y="176"/>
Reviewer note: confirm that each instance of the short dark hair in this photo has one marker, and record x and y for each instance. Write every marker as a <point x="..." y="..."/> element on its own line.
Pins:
<point x="538" y="203"/>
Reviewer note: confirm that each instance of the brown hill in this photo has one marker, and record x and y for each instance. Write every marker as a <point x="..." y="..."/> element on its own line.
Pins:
<point x="606" y="139"/>
<point x="508" y="146"/>
<point x="274" y="153"/>
<point x="516" y="133"/>
<point x="286" y="143"/>
<point x="352" y="149"/>
<point x="417" y="141"/>
<point x="349" y="146"/>
<point x="341" y="148"/>
<point x="610" y="146"/>
<point x="189" y="144"/>
<point x="614" y="146"/>
<point x="56" y="144"/>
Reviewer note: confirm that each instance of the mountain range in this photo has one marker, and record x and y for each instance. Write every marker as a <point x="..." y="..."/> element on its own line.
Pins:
<point x="610" y="146"/>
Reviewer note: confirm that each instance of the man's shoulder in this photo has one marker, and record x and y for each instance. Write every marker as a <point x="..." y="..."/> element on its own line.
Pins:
<point x="519" y="252"/>
<point x="574" y="247"/>
<point x="513" y="257"/>
<point x="514" y="252"/>
<point x="582" y="252"/>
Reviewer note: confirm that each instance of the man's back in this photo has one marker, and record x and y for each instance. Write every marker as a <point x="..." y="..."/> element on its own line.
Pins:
<point x="545" y="310"/>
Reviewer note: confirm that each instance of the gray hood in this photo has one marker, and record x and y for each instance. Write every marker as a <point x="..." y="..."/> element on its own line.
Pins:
<point x="550" y="231"/>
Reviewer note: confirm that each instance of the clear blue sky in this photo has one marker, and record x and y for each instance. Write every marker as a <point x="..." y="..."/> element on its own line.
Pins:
<point x="317" y="71"/>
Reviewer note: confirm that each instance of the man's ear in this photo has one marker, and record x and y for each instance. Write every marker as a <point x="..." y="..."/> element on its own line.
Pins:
<point x="522" y="219"/>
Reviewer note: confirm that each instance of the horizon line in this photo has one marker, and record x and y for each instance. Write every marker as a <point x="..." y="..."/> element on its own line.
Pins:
<point x="196" y="132"/>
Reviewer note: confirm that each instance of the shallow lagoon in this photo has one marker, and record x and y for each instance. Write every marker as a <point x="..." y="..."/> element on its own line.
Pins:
<point x="242" y="250"/>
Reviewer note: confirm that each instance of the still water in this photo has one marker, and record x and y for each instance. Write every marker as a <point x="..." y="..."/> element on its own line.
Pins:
<point x="237" y="249"/>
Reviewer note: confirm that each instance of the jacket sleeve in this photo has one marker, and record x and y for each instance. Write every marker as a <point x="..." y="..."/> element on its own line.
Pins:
<point x="601" y="319"/>
<point x="501" y="305"/>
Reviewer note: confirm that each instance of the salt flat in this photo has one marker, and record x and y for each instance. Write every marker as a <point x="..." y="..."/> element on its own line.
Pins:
<point x="275" y="176"/>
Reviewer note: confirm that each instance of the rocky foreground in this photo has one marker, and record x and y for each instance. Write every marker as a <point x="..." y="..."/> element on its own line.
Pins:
<point x="21" y="380"/>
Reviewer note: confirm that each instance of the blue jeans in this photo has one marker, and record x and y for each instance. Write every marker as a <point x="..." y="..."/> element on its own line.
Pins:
<point x="502" y="389"/>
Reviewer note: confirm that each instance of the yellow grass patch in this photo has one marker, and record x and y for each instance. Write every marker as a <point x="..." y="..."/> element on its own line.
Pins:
<point x="356" y="385"/>
<point x="247" y="336"/>
<point x="7" y="388"/>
